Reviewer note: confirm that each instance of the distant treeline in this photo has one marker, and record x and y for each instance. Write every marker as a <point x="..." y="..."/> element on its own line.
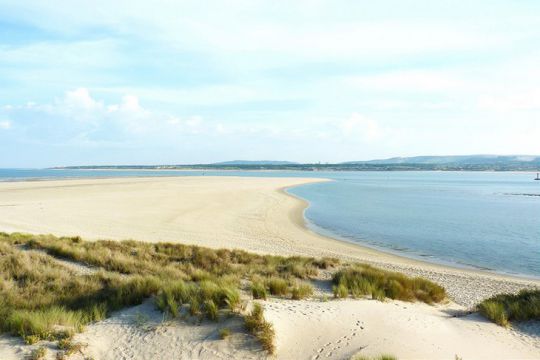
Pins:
<point x="521" y="166"/>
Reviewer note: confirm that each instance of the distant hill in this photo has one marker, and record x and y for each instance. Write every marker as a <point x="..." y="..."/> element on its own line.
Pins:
<point x="415" y="163"/>
<point x="463" y="160"/>
<point x="253" y="162"/>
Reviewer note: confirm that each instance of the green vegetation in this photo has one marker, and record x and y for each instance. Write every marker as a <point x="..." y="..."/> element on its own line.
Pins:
<point x="40" y="298"/>
<point x="277" y="286"/>
<point x="301" y="290"/>
<point x="258" y="291"/>
<point x="359" y="280"/>
<point x="340" y="291"/>
<point x="43" y="298"/>
<point x="38" y="353"/>
<point x="224" y="333"/>
<point x="380" y="357"/>
<point x="68" y="348"/>
<point x="262" y="329"/>
<point x="501" y="309"/>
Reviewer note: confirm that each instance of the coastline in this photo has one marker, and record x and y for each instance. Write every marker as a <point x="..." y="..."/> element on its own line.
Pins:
<point x="258" y="215"/>
<point x="250" y="213"/>
<point x="465" y="286"/>
<point x="398" y="254"/>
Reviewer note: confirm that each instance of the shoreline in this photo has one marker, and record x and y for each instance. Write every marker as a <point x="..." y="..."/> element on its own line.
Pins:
<point x="250" y="213"/>
<point x="398" y="256"/>
<point x="312" y="227"/>
<point x="256" y="215"/>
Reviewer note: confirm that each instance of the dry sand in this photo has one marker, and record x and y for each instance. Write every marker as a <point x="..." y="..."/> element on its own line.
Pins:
<point x="256" y="215"/>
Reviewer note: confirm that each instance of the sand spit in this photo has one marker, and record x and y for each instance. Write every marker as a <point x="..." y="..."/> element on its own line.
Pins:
<point x="256" y="215"/>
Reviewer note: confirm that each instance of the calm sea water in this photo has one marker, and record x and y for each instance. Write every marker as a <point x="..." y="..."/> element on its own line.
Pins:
<point x="484" y="220"/>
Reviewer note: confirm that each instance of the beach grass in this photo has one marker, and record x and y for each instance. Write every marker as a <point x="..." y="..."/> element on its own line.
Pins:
<point x="379" y="357"/>
<point x="41" y="298"/>
<point x="277" y="286"/>
<point x="504" y="308"/>
<point x="262" y="329"/>
<point x="365" y="280"/>
<point x="258" y="290"/>
<point x="301" y="290"/>
<point x="52" y="287"/>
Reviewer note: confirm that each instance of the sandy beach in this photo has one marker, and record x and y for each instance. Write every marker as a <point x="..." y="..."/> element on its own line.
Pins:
<point x="256" y="214"/>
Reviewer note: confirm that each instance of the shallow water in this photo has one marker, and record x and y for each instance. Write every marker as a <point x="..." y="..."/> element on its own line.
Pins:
<point x="485" y="220"/>
<point x="482" y="219"/>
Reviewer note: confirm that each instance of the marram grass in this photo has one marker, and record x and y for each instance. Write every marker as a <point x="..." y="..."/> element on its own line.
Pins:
<point x="39" y="295"/>
<point x="504" y="308"/>
<point x="359" y="280"/>
<point x="41" y="298"/>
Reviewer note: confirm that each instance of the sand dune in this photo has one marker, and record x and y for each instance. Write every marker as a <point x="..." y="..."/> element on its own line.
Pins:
<point x="256" y="215"/>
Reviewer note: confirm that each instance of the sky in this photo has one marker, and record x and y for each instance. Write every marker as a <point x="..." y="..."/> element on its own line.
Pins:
<point x="178" y="82"/>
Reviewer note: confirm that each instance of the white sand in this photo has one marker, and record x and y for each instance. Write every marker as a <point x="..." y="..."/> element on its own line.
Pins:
<point x="340" y="329"/>
<point x="255" y="214"/>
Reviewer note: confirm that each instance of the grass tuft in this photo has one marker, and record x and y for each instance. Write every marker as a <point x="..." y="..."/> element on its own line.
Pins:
<point x="301" y="290"/>
<point x="277" y="286"/>
<point x="260" y="328"/>
<point x="362" y="279"/>
<point x="379" y="357"/>
<point x="38" y="353"/>
<point x="40" y="295"/>
<point x="501" y="309"/>
<point x="224" y="333"/>
<point x="258" y="291"/>
<point x="340" y="291"/>
<point x="211" y="310"/>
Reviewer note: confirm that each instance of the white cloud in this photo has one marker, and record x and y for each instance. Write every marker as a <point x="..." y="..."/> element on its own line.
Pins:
<point x="87" y="119"/>
<point x="423" y="81"/>
<point x="5" y="124"/>
<point x="529" y="100"/>
<point x="361" y="127"/>
<point x="80" y="99"/>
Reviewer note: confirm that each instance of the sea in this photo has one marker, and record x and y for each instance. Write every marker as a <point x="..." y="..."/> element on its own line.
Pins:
<point x="482" y="220"/>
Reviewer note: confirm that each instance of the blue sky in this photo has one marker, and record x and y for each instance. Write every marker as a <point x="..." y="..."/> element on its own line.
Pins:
<point x="129" y="82"/>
